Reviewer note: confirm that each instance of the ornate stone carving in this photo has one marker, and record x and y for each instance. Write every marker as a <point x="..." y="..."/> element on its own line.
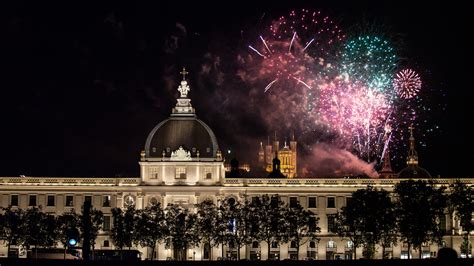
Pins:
<point x="180" y="155"/>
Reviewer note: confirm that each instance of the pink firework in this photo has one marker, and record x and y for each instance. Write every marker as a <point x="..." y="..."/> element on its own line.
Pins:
<point x="407" y="83"/>
<point x="356" y="114"/>
<point x="295" y="49"/>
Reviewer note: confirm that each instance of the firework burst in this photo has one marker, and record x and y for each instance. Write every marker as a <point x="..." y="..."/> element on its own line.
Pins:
<point x="407" y="83"/>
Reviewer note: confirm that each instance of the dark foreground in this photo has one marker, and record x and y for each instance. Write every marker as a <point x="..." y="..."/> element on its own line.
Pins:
<point x="427" y="262"/>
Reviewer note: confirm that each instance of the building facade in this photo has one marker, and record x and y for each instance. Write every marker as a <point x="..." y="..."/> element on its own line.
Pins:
<point x="182" y="164"/>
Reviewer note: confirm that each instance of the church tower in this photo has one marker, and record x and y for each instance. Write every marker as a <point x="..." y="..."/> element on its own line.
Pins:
<point x="294" y="154"/>
<point x="261" y="154"/>
<point x="412" y="158"/>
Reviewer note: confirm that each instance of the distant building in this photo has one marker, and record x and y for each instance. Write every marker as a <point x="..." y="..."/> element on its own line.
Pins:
<point x="182" y="164"/>
<point x="287" y="155"/>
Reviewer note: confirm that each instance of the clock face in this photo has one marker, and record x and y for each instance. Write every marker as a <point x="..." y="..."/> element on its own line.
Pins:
<point x="129" y="200"/>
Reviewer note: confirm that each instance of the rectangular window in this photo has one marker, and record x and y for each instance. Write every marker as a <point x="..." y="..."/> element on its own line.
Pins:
<point x="208" y="173"/>
<point x="32" y="201"/>
<point x="442" y="223"/>
<point x="14" y="200"/>
<point x="348" y="199"/>
<point x="312" y="202"/>
<point x="106" y="201"/>
<point x="180" y="173"/>
<point x="331" y="202"/>
<point x="88" y="199"/>
<point x="51" y="201"/>
<point x="69" y="201"/>
<point x="293" y="202"/>
<point x="106" y="225"/>
<point x="331" y="223"/>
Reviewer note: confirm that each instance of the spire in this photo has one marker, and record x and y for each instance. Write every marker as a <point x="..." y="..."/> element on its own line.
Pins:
<point x="183" y="104"/>
<point x="387" y="165"/>
<point x="412" y="159"/>
<point x="292" y="135"/>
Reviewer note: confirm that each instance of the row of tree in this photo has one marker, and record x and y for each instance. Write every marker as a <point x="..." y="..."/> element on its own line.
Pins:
<point x="33" y="227"/>
<point x="229" y="223"/>
<point x="414" y="214"/>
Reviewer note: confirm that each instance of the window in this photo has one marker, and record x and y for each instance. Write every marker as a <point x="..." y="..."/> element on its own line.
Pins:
<point x="293" y="202"/>
<point x="106" y="244"/>
<point x="442" y="223"/>
<point x="32" y="201"/>
<point x="331" y="244"/>
<point x="331" y="223"/>
<point x="207" y="251"/>
<point x="106" y="201"/>
<point x="88" y="199"/>
<point x="331" y="202"/>
<point x="312" y="202"/>
<point x="153" y="149"/>
<point x="180" y="173"/>
<point x="208" y="175"/>
<point x="14" y="200"/>
<point x="106" y="225"/>
<point x="254" y="244"/>
<point x="51" y="201"/>
<point x="349" y="244"/>
<point x="348" y="199"/>
<point x="69" y="201"/>
<point x="312" y="244"/>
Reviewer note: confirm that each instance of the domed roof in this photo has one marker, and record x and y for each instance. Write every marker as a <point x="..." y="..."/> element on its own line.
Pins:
<point x="182" y="136"/>
<point x="414" y="171"/>
<point x="190" y="133"/>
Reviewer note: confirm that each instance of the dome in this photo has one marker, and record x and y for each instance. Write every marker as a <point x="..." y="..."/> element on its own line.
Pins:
<point x="414" y="171"/>
<point x="182" y="136"/>
<point x="190" y="133"/>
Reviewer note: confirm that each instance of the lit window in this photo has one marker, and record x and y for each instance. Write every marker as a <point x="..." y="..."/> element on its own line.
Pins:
<point x="180" y="173"/>
<point x="32" y="201"/>
<point x="69" y="201"/>
<point x="312" y="202"/>
<point x="14" y="200"/>
<point x="50" y="200"/>
<point x="153" y="149"/>
<point x="331" y="244"/>
<point x="331" y="202"/>
<point x="106" y="201"/>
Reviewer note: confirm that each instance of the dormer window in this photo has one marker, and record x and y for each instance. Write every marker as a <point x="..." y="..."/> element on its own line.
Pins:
<point x="168" y="149"/>
<point x="208" y="149"/>
<point x="154" y="149"/>
<point x="180" y="173"/>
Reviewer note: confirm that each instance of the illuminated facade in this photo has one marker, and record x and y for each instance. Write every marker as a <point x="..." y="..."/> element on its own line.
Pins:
<point x="182" y="164"/>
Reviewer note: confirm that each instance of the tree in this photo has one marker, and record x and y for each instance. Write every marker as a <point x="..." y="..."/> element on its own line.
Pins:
<point x="419" y="206"/>
<point x="150" y="227"/>
<point x="12" y="226"/>
<point x="461" y="199"/>
<point x="363" y="220"/>
<point x="235" y="223"/>
<point x="122" y="232"/>
<point x="34" y="231"/>
<point x="301" y="226"/>
<point x="182" y="226"/>
<point x="68" y="224"/>
<point x="91" y="223"/>
<point x="209" y="228"/>
<point x="269" y="219"/>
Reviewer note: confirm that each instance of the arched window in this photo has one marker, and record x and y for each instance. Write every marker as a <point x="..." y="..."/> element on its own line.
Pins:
<point x="312" y="244"/>
<point x="106" y="243"/>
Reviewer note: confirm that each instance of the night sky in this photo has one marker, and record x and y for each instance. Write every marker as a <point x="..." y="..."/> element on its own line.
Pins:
<point x="84" y="84"/>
